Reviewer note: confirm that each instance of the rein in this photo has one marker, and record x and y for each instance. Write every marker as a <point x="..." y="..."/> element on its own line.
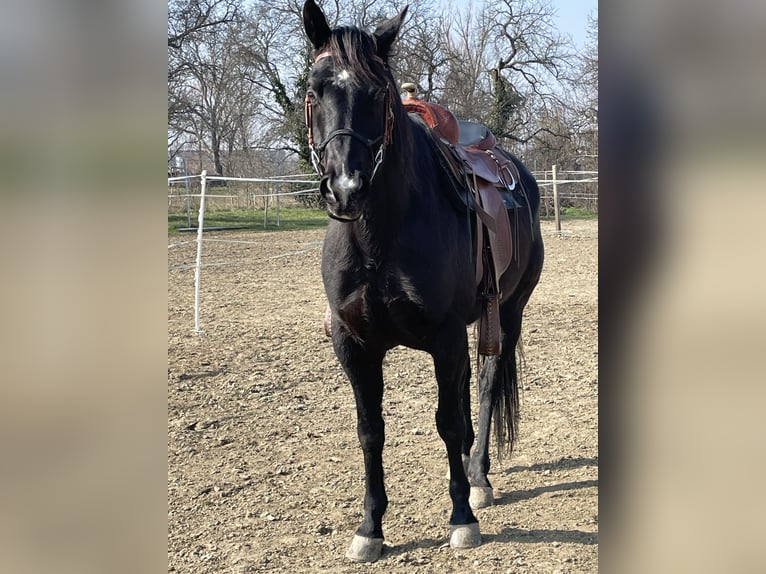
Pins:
<point x="382" y="141"/>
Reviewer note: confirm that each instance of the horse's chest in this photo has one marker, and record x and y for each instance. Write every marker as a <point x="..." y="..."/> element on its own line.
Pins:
<point x="354" y="313"/>
<point x="385" y="308"/>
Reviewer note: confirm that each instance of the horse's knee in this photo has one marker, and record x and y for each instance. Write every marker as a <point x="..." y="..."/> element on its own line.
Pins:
<point x="371" y="439"/>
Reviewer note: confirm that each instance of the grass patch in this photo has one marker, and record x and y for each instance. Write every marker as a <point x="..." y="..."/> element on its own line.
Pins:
<point x="295" y="218"/>
<point x="578" y="213"/>
<point x="571" y="213"/>
<point x="291" y="219"/>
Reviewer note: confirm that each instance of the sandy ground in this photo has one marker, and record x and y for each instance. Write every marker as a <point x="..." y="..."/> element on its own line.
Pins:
<point x="264" y="468"/>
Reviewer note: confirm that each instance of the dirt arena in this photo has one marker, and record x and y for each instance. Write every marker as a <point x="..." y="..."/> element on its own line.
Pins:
<point x="264" y="468"/>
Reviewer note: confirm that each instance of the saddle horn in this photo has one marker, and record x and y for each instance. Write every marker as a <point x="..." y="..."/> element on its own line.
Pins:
<point x="410" y="89"/>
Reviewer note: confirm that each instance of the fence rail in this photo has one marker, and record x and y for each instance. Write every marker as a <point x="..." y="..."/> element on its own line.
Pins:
<point x="203" y="178"/>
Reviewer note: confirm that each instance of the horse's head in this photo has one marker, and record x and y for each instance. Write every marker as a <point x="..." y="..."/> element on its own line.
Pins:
<point x="349" y="108"/>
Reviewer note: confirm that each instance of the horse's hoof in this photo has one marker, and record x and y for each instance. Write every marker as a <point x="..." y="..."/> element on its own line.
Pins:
<point x="364" y="549"/>
<point x="481" y="497"/>
<point x="465" y="536"/>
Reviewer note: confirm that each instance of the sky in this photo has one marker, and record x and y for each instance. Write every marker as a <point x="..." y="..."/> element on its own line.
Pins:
<point x="572" y="18"/>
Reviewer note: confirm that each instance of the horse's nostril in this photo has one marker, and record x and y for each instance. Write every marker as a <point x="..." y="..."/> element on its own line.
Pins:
<point x="326" y="191"/>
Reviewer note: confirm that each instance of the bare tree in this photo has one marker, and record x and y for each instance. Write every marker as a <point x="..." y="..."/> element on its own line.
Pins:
<point x="237" y="71"/>
<point x="506" y="66"/>
<point x="276" y="57"/>
<point x="218" y="105"/>
<point x="532" y="68"/>
<point x="189" y="21"/>
<point x="587" y="92"/>
<point x="423" y="55"/>
<point x="188" y="17"/>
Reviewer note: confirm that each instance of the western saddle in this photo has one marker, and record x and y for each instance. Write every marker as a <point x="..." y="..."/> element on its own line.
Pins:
<point x="470" y="152"/>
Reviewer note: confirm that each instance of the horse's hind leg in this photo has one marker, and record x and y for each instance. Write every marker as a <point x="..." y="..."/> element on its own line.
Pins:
<point x="498" y="384"/>
<point x="451" y="364"/>
<point x="365" y="371"/>
<point x="481" y="490"/>
<point x="498" y="397"/>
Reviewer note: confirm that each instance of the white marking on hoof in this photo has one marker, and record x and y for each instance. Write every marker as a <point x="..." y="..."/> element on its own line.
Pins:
<point x="364" y="549"/>
<point x="465" y="536"/>
<point x="481" y="497"/>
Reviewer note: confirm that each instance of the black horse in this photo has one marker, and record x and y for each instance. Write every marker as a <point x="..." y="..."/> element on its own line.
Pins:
<point x="398" y="267"/>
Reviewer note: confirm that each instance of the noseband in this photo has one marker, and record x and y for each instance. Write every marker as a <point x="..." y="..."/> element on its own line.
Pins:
<point x="317" y="150"/>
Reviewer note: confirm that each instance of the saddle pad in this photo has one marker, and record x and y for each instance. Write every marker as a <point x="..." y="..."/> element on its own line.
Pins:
<point x="474" y="134"/>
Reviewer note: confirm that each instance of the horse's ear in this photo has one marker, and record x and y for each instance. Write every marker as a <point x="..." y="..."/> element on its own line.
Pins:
<point x="315" y="23"/>
<point x="386" y="32"/>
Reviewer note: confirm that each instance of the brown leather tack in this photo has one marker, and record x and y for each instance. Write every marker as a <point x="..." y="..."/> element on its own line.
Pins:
<point x="437" y="117"/>
<point x="500" y="238"/>
<point x="489" y="327"/>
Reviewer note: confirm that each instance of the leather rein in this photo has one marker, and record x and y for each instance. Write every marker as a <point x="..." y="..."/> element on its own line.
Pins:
<point x="382" y="141"/>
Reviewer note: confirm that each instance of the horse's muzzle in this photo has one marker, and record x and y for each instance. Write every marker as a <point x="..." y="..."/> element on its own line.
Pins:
<point x="344" y="195"/>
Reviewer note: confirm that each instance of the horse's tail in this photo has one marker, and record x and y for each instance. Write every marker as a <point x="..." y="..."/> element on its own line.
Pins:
<point x="505" y="391"/>
<point x="505" y="401"/>
<point x="508" y="378"/>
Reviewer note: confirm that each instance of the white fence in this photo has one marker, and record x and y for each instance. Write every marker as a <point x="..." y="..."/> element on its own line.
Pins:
<point x="249" y="197"/>
<point x="201" y="221"/>
<point x="544" y="183"/>
<point x="553" y="183"/>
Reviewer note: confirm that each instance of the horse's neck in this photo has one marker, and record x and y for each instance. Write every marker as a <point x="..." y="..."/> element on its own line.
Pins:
<point x="378" y="229"/>
<point x="391" y="197"/>
<point x="392" y="192"/>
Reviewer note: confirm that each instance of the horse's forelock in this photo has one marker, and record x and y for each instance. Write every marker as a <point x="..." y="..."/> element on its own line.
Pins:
<point x="353" y="50"/>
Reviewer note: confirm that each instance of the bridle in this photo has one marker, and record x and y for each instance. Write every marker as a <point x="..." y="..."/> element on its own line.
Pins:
<point x="382" y="141"/>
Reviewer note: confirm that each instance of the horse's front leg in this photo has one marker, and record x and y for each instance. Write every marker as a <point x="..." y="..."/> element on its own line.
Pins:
<point x="451" y="364"/>
<point x="365" y="371"/>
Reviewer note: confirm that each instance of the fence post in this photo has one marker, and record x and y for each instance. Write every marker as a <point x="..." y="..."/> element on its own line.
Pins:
<point x="266" y="198"/>
<point x="198" y="268"/>
<point x="188" y="196"/>
<point x="556" y="200"/>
